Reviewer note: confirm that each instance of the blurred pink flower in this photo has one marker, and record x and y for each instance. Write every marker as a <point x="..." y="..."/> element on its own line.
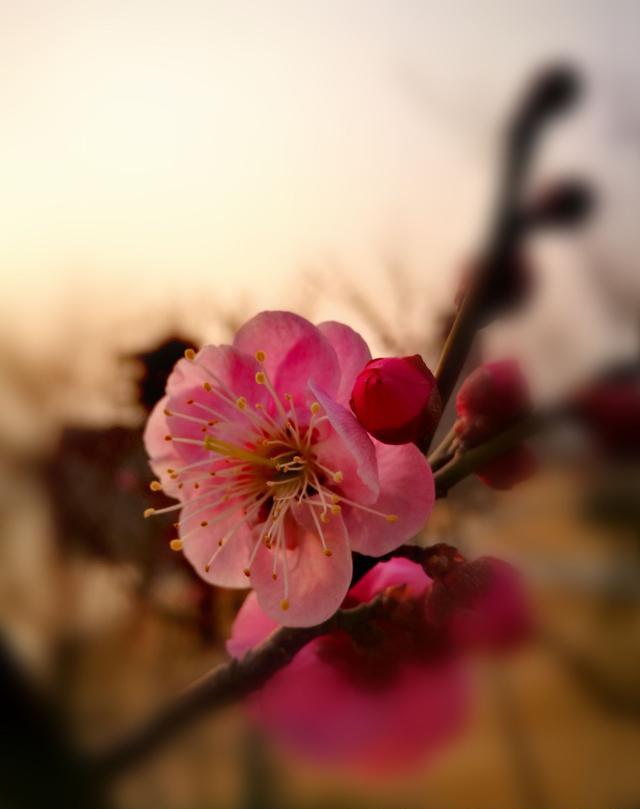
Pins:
<point x="374" y="706"/>
<point x="276" y="480"/>
<point x="385" y="700"/>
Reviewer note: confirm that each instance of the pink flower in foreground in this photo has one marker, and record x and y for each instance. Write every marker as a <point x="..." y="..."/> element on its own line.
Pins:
<point x="396" y="399"/>
<point x="383" y="701"/>
<point x="277" y="482"/>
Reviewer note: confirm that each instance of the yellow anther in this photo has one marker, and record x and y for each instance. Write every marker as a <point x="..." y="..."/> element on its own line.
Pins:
<point x="335" y="499"/>
<point x="338" y="477"/>
<point x="155" y="486"/>
<point x="241" y="402"/>
<point x="391" y="517"/>
<point x="190" y="354"/>
<point x="247" y="572"/>
<point x="336" y="509"/>
<point x="176" y="544"/>
<point x="206" y="386"/>
<point x="324" y="517"/>
<point x="170" y="471"/>
<point x="315" y="407"/>
<point x="148" y="512"/>
<point x="261" y="356"/>
<point x="284" y="604"/>
<point x="261" y="378"/>
<point x="327" y="552"/>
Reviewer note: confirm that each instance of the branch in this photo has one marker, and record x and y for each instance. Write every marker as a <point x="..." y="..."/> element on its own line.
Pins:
<point x="467" y="462"/>
<point x="228" y="683"/>
<point x="552" y="92"/>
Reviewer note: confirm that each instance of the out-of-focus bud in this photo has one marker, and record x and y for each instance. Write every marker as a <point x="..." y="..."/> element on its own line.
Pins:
<point x="507" y="293"/>
<point x="490" y="399"/>
<point x="564" y="204"/>
<point x="396" y="399"/>
<point x="611" y="411"/>
<point x="552" y="91"/>
<point x="509" y="469"/>
<point x="479" y="604"/>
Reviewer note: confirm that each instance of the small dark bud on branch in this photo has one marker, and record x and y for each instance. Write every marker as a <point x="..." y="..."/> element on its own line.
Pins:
<point x="565" y="204"/>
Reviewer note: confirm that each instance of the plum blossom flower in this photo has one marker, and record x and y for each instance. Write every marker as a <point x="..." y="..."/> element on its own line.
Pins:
<point x="275" y="479"/>
<point x="384" y="701"/>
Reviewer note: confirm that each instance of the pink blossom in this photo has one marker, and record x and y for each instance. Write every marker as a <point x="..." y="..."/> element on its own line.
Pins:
<point x="387" y="699"/>
<point x="376" y="706"/>
<point x="276" y="481"/>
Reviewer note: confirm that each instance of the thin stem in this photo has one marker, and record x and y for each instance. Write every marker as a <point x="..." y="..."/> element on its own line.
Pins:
<point x="442" y="452"/>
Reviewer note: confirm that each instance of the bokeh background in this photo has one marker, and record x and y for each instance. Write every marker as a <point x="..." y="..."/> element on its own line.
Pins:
<point x="170" y="168"/>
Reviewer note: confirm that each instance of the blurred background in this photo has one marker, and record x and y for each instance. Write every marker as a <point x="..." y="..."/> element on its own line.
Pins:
<point x="171" y="168"/>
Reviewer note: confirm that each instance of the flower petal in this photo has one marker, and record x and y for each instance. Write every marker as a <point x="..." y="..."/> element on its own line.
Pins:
<point x="250" y="627"/>
<point x="200" y="543"/>
<point x="295" y="351"/>
<point x="393" y="573"/>
<point x="406" y="490"/>
<point x="317" y="583"/>
<point x="353" y="354"/>
<point x="348" y="449"/>
<point x="235" y="371"/>
<point x="162" y="453"/>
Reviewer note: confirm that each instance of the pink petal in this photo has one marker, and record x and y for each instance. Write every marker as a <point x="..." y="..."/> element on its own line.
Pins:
<point x="406" y="490"/>
<point x="314" y="709"/>
<point x="250" y="627"/>
<point x="499" y="618"/>
<point x="317" y="583"/>
<point x="162" y="454"/>
<point x="226" y="568"/>
<point x="236" y="372"/>
<point x="390" y="574"/>
<point x="416" y="716"/>
<point x="348" y="450"/>
<point x="353" y="354"/>
<point x="295" y="350"/>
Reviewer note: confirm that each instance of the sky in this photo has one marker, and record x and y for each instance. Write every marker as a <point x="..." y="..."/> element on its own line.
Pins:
<point x="158" y="153"/>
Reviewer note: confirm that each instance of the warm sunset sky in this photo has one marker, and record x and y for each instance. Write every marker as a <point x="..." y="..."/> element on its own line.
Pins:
<point x="150" y="147"/>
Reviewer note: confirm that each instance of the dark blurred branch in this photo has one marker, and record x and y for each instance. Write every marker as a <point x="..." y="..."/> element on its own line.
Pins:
<point x="551" y="93"/>
<point x="227" y="684"/>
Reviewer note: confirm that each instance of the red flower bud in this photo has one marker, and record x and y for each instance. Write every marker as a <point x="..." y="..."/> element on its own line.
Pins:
<point x="611" y="411"/>
<point x="396" y="399"/>
<point x="490" y="399"/>
<point x="509" y="469"/>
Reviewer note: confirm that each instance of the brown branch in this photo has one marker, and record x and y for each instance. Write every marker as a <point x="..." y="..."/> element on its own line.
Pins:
<point x="553" y="91"/>
<point x="225" y="684"/>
